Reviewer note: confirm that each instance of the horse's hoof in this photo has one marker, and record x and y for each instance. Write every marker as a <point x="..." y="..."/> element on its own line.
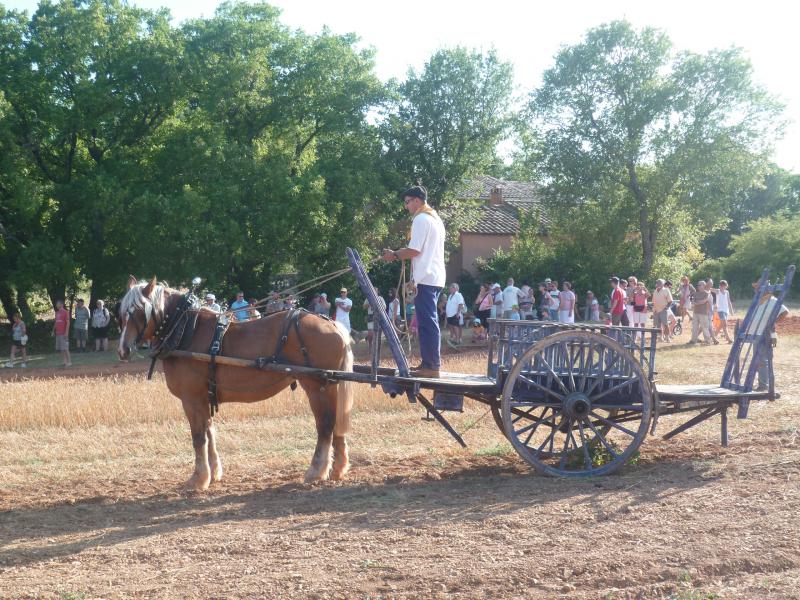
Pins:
<point x="198" y="483"/>
<point x="216" y="473"/>
<point x="339" y="474"/>
<point x="314" y="476"/>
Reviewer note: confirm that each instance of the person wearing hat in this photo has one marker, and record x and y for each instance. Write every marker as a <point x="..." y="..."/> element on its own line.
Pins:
<point x="426" y="251"/>
<point x="617" y="307"/>
<point x="211" y="303"/>
<point x="343" y="307"/>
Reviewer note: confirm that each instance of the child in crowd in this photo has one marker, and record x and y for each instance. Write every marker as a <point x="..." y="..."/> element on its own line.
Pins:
<point x="478" y="331"/>
<point x="515" y="316"/>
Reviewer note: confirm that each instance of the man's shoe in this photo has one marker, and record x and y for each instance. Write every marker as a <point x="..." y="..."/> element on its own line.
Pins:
<point x="426" y="373"/>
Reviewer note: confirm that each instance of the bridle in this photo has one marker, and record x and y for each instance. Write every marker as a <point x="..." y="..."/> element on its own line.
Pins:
<point x="140" y="330"/>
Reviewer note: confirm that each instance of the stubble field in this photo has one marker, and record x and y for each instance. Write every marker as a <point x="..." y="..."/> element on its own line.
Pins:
<point x="92" y="505"/>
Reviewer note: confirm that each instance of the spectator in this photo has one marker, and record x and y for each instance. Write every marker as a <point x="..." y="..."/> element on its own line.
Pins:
<point x="700" y="300"/>
<point x="240" y="307"/>
<point x="712" y="307"/>
<point x="724" y="308"/>
<point x="511" y="296"/>
<point x="275" y="303"/>
<point x="253" y="311"/>
<point x="515" y="316"/>
<point x="566" y="304"/>
<point x="639" y="306"/>
<point x="552" y="290"/>
<point x="343" y="307"/>
<point x="371" y="316"/>
<point x="673" y="310"/>
<point x="662" y="300"/>
<point x="497" y="302"/>
<point x="544" y="302"/>
<point x="61" y="333"/>
<point x="478" y="331"/>
<point x="19" y="341"/>
<point x="484" y="302"/>
<point x="685" y="302"/>
<point x="526" y="302"/>
<point x="211" y="303"/>
<point x="592" y="311"/>
<point x="393" y="307"/>
<point x="312" y="305"/>
<point x="323" y="307"/>
<point x="454" y="309"/>
<point x="101" y="319"/>
<point x="617" y="306"/>
<point x="629" y="291"/>
<point x="82" y="317"/>
<point x="623" y="286"/>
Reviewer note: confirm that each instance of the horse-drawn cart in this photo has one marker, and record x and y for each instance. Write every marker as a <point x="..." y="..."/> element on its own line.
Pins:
<point x="573" y="400"/>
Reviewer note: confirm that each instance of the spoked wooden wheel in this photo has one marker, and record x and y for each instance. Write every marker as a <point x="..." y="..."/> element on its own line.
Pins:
<point x="576" y="404"/>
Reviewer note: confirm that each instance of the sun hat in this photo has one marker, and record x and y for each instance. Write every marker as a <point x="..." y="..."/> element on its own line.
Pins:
<point x="477" y="321"/>
<point x="344" y="289"/>
<point x="210" y="297"/>
<point x="323" y="295"/>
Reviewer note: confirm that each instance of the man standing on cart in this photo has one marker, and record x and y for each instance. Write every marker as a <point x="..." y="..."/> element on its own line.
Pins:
<point x="426" y="251"/>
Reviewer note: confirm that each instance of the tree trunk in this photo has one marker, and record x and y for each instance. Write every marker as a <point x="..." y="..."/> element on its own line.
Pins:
<point x="22" y="300"/>
<point x="647" y="224"/>
<point x="8" y="301"/>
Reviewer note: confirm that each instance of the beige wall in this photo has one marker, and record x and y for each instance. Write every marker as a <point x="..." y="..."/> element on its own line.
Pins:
<point x="474" y="245"/>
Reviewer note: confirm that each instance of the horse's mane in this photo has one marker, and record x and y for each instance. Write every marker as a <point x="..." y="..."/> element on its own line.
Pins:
<point x="135" y="298"/>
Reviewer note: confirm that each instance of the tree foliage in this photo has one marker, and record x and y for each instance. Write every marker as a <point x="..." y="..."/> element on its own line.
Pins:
<point x="446" y="122"/>
<point x="621" y="118"/>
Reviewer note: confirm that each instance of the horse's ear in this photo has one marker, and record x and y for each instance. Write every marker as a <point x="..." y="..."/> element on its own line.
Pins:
<point x="148" y="289"/>
<point x="131" y="281"/>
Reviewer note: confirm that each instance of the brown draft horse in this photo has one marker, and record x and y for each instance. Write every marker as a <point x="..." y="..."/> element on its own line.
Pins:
<point x="145" y="306"/>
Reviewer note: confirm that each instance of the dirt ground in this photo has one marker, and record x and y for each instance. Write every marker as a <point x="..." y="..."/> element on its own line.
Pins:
<point x="102" y="513"/>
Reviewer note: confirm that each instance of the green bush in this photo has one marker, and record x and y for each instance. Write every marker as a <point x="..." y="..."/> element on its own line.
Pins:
<point x="772" y="242"/>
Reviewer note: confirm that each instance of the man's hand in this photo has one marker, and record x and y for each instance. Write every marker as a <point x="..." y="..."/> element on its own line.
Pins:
<point x="388" y="255"/>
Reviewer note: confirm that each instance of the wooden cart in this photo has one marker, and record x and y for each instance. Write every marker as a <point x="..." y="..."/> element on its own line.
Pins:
<point x="573" y="400"/>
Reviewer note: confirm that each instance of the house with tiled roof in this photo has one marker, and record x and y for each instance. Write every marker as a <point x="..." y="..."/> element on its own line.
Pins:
<point x="502" y="203"/>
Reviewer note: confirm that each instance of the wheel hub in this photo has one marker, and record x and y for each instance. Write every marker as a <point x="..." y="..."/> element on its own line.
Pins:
<point x="577" y="405"/>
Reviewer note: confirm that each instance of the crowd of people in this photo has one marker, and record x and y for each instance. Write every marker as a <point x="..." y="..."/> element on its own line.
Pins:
<point x="629" y="303"/>
<point x="96" y="320"/>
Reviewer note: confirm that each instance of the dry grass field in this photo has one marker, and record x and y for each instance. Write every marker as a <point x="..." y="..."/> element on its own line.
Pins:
<point x="92" y="504"/>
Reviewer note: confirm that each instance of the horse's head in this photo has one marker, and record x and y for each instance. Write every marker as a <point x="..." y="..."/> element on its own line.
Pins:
<point x="139" y="312"/>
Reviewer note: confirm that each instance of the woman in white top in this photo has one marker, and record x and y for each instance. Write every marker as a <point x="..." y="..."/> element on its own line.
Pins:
<point x="724" y="308"/>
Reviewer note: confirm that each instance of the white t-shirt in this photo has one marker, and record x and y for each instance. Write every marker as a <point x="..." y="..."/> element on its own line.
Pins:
<point x="554" y="301"/>
<point x="427" y="236"/>
<point x="723" y="303"/>
<point x="510" y="297"/>
<point x="453" y="302"/>
<point x="594" y="310"/>
<point x="342" y="316"/>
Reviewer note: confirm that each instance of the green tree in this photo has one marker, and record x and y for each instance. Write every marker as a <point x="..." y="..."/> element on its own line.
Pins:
<point x="445" y="123"/>
<point x="622" y="115"/>
<point x="772" y="242"/>
<point x="779" y="191"/>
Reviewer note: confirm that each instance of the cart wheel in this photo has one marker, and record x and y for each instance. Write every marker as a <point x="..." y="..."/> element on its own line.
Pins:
<point x="576" y="404"/>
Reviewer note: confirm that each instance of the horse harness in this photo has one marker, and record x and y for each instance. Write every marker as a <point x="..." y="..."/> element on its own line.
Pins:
<point x="177" y="330"/>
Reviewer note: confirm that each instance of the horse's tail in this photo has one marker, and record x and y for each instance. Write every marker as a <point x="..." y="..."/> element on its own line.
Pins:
<point x="344" y="397"/>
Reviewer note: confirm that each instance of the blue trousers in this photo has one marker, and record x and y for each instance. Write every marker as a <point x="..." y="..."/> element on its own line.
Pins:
<point x="428" y="324"/>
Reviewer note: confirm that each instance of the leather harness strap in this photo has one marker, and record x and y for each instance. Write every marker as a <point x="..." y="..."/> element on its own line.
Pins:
<point x="214" y="350"/>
